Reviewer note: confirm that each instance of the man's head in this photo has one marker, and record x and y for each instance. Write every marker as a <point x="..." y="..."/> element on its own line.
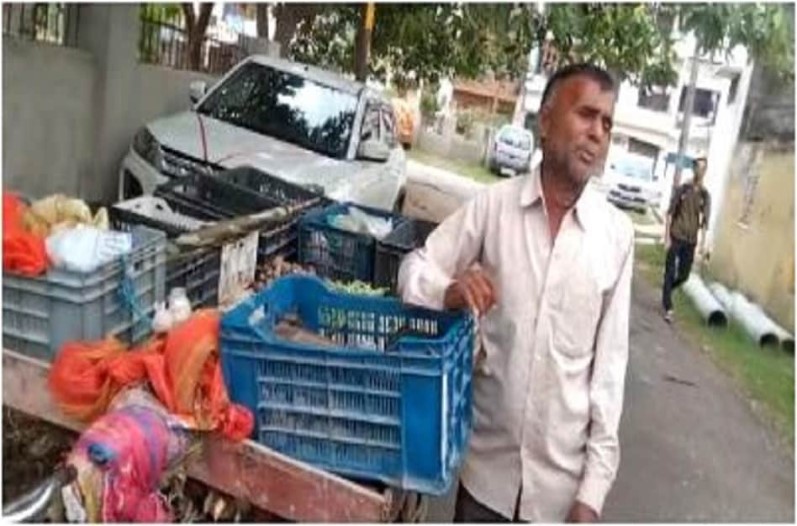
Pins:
<point x="576" y="119"/>
<point x="699" y="169"/>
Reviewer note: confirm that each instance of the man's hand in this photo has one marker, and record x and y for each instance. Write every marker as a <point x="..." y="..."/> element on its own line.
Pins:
<point x="472" y="289"/>
<point x="580" y="512"/>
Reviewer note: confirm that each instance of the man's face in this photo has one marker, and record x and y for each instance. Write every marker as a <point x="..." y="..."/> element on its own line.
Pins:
<point x="699" y="170"/>
<point x="576" y="126"/>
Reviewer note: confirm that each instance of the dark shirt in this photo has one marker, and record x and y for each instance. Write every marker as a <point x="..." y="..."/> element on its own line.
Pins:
<point x="689" y="211"/>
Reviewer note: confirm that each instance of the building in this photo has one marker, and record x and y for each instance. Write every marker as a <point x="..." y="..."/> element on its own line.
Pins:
<point x="488" y="96"/>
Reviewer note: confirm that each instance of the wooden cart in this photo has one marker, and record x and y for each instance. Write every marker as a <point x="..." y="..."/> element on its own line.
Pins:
<point x="275" y="483"/>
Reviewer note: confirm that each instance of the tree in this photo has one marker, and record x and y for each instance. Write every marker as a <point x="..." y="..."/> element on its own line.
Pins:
<point x="195" y="28"/>
<point x="429" y="41"/>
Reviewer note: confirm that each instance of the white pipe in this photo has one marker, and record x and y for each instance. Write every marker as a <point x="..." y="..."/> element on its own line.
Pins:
<point x="712" y="311"/>
<point x="722" y="295"/>
<point x="752" y="322"/>
<point x="786" y="339"/>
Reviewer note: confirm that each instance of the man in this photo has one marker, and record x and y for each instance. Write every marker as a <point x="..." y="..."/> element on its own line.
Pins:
<point x="545" y="264"/>
<point x="687" y="220"/>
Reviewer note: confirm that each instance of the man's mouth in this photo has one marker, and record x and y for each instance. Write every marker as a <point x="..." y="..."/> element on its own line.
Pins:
<point x="587" y="156"/>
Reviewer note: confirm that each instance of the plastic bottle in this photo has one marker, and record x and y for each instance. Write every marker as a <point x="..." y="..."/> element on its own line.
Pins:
<point x="179" y="305"/>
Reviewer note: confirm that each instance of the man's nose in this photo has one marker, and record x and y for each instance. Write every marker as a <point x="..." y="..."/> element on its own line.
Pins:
<point x="596" y="132"/>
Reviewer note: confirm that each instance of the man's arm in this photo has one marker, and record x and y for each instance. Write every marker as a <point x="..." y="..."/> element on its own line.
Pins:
<point x="607" y="387"/>
<point x="426" y="274"/>
<point x="705" y="216"/>
<point x="668" y="219"/>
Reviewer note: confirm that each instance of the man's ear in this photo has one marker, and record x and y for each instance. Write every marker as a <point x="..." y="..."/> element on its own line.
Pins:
<point x="545" y="121"/>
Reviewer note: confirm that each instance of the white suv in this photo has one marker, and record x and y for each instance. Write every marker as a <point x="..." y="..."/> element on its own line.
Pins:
<point x="296" y="122"/>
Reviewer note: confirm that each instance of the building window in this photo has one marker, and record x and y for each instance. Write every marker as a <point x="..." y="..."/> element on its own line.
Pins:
<point x="705" y="105"/>
<point x="655" y="100"/>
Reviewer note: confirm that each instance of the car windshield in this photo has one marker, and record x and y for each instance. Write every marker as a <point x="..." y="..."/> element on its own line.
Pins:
<point x="285" y="106"/>
<point x="633" y="168"/>
<point x="516" y="138"/>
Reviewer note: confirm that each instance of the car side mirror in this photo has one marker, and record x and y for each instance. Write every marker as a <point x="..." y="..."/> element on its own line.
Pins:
<point x="373" y="150"/>
<point x="197" y="90"/>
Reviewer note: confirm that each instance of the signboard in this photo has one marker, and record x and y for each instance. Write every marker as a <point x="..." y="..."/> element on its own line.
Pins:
<point x="238" y="266"/>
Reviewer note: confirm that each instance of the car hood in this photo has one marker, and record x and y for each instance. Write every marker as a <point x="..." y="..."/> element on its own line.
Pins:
<point x="612" y="178"/>
<point x="230" y="146"/>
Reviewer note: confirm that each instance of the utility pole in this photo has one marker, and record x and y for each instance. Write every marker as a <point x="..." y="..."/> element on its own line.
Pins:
<point x="687" y="121"/>
<point x="367" y="15"/>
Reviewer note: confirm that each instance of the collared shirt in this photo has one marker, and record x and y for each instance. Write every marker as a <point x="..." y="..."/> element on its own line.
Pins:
<point x="548" y="395"/>
<point x="690" y="208"/>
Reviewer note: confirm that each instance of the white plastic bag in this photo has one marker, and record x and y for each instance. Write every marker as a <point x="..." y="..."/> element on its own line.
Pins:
<point x="85" y="248"/>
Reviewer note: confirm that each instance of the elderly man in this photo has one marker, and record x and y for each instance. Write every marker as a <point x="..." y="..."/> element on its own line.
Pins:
<point x="545" y="264"/>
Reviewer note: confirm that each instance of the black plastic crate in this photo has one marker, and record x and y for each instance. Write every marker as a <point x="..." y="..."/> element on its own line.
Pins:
<point x="390" y="250"/>
<point x="211" y="198"/>
<point x="280" y="239"/>
<point x="196" y="271"/>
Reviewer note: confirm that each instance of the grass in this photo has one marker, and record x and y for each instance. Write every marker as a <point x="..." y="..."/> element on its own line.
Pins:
<point x="477" y="172"/>
<point x="765" y="375"/>
<point x="643" y="219"/>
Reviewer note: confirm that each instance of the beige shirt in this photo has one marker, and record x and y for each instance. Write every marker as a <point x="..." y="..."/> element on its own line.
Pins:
<point x="548" y="396"/>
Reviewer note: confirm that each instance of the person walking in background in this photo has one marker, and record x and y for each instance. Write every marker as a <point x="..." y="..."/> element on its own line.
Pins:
<point x="545" y="263"/>
<point x="685" y="229"/>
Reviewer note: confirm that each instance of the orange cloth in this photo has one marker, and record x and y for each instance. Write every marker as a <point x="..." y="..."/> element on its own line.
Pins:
<point x="182" y="368"/>
<point x="23" y="252"/>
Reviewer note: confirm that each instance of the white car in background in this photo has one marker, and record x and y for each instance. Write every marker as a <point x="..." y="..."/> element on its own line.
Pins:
<point x="629" y="182"/>
<point x="296" y="122"/>
<point x="512" y="150"/>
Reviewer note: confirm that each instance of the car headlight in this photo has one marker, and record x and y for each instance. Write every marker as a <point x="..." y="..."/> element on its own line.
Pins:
<point x="147" y="146"/>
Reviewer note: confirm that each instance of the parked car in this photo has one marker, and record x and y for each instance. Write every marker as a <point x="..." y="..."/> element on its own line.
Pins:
<point x="300" y="123"/>
<point x="511" y="151"/>
<point x="631" y="182"/>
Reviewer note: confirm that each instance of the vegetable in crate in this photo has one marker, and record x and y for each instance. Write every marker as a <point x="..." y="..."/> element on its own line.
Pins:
<point x="276" y="268"/>
<point x="357" y="287"/>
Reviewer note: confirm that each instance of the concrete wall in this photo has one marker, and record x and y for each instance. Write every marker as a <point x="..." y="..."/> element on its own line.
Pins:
<point x="453" y="146"/>
<point x="758" y="258"/>
<point x="69" y="114"/>
<point x="48" y="127"/>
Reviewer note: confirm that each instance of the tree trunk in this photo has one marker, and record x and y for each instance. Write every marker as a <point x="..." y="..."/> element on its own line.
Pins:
<point x="288" y="17"/>
<point x="195" y="28"/>
<point x="363" y="42"/>
<point x="262" y="20"/>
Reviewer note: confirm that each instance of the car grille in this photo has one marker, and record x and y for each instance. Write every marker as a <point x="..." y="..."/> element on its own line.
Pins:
<point x="176" y="164"/>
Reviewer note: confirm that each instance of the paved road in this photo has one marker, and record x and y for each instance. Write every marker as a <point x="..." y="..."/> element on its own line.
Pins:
<point x="692" y="448"/>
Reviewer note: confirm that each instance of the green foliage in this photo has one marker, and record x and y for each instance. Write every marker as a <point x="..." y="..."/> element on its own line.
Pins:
<point x="429" y="105"/>
<point x="413" y="42"/>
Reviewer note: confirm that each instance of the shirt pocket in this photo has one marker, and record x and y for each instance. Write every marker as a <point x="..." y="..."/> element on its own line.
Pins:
<point x="577" y="315"/>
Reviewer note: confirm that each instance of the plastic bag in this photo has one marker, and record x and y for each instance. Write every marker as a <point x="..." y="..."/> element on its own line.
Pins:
<point x="361" y="222"/>
<point x="23" y="251"/>
<point x="85" y="248"/>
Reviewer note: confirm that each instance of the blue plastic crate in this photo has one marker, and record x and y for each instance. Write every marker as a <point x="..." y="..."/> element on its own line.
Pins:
<point x="336" y="253"/>
<point x="391" y="403"/>
<point x="42" y="313"/>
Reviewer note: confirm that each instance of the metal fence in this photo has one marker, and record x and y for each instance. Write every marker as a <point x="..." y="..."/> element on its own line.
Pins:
<point x="52" y="23"/>
<point x="164" y="41"/>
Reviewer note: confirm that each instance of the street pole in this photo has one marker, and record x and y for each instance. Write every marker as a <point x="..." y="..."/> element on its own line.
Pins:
<point x="688" y="106"/>
<point x="364" y="41"/>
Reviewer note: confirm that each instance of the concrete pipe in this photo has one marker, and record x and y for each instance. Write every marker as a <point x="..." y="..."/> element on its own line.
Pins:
<point x="722" y="295"/>
<point x="712" y="311"/>
<point x="786" y="339"/>
<point x="752" y="322"/>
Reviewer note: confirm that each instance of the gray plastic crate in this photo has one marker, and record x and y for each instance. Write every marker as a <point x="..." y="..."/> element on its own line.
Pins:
<point x="41" y="314"/>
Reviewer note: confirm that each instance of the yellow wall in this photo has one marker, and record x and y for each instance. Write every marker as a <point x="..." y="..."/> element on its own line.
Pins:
<point x="758" y="259"/>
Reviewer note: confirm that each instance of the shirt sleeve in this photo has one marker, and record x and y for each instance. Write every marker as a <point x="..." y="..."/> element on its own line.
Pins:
<point x="607" y="387"/>
<point x="706" y="209"/>
<point x="452" y="247"/>
<point x="676" y="194"/>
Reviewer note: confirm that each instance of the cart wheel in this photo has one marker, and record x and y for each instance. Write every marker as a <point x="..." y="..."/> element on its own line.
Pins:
<point x="414" y="508"/>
